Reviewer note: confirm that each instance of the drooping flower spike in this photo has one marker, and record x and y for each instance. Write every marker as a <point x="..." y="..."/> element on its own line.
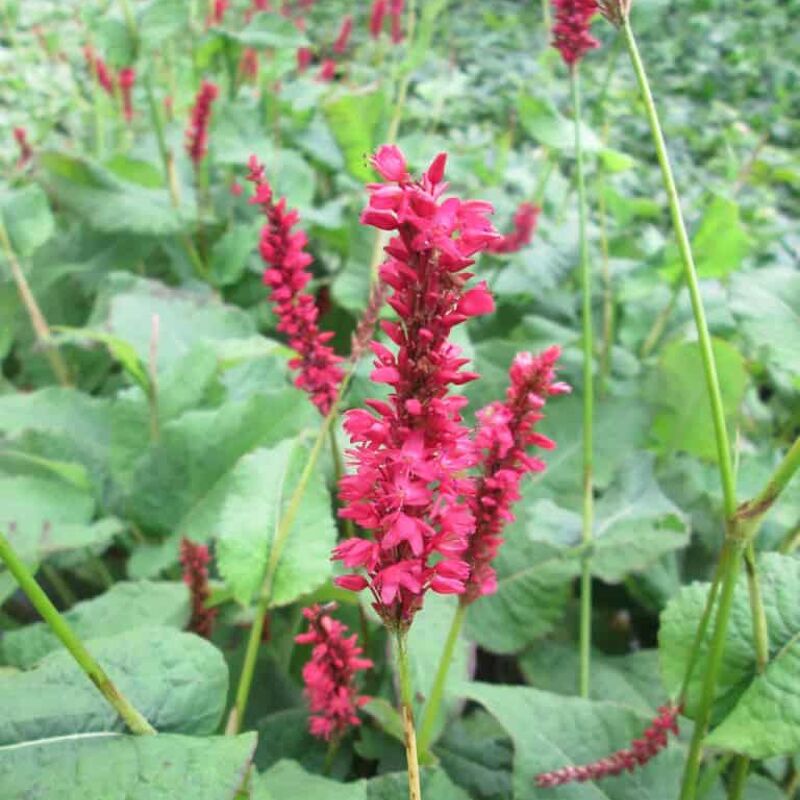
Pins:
<point x="197" y="132"/>
<point x="410" y="488"/>
<point x="100" y="70"/>
<point x="330" y="675"/>
<point x="342" y="40"/>
<point x="506" y="431"/>
<point x="525" y="219"/>
<point x="654" y="740"/>
<point x="127" y="78"/>
<point x="194" y="560"/>
<point x="287" y="275"/>
<point x="571" y="36"/>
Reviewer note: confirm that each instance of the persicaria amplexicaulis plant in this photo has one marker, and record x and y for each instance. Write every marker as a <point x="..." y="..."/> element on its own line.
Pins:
<point x="200" y="116"/>
<point x="642" y="750"/>
<point x="195" y="559"/>
<point x="505" y="433"/>
<point x="571" y="36"/>
<point x="410" y="487"/>
<point x="287" y="275"/>
<point x="330" y="674"/>
<point x="525" y="218"/>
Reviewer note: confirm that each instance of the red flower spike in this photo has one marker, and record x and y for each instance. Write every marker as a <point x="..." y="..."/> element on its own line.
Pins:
<point x="330" y="674"/>
<point x="197" y="131"/>
<point x="127" y="77"/>
<point x="396" y="13"/>
<point x="248" y="64"/>
<point x="342" y="40"/>
<point x="571" y="35"/>
<point x="376" y="17"/>
<point x="327" y="70"/>
<point x="654" y="740"/>
<point x="100" y="70"/>
<point x="304" y="58"/>
<point x="525" y="219"/>
<point x="287" y="276"/>
<point x="217" y="15"/>
<point x="505" y="432"/>
<point x="411" y="455"/>
<point x="25" y="149"/>
<point x="195" y="559"/>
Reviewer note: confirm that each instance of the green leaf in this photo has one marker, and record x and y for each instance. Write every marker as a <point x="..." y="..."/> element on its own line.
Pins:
<point x="542" y="121"/>
<point x="288" y="779"/>
<point x="270" y="30"/>
<point x="719" y="245"/>
<point x="127" y="305"/>
<point x="615" y="160"/>
<point x="753" y="714"/>
<point x="125" y="606"/>
<point x="684" y="420"/>
<point x="627" y="679"/>
<point x="353" y="119"/>
<point x="766" y="303"/>
<point x="231" y="252"/>
<point x="106" y="202"/>
<point x="28" y="219"/>
<point x="434" y="783"/>
<point x="247" y="513"/>
<point x="113" y="767"/>
<point x="177" y="680"/>
<point x="159" y="20"/>
<point x="550" y="731"/>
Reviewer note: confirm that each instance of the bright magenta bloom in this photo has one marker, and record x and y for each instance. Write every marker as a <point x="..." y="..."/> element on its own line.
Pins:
<point x="571" y="35"/>
<point x="194" y="560"/>
<point x="376" y="18"/>
<point x="525" y="219"/>
<point x="287" y="276"/>
<point x="127" y="77"/>
<point x="197" y="132"/>
<point x="410" y="488"/>
<point x="104" y="76"/>
<point x="218" y="11"/>
<point x="654" y="740"/>
<point x="342" y="40"/>
<point x="505" y="432"/>
<point x="330" y="674"/>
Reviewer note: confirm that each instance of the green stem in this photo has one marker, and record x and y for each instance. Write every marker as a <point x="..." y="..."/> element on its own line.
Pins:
<point x="760" y="632"/>
<point x="660" y="322"/>
<point x="402" y="89"/>
<point x="791" y="541"/>
<point x="38" y="322"/>
<point x="711" y="774"/>
<point x="133" y="718"/>
<point x="60" y="586"/>
<point x="741" y="769"/>
<point x="588" y="395"/>
<point x="407" y="714"/>
<point x="284" y="527"/>
<point x="431" y="711"/>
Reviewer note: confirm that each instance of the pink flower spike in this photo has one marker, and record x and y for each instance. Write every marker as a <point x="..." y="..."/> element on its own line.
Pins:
<point x="127" y="77"/>
<point x="342" y="40"/>
<point x="571" y="35"/>
<point x="304" y="58"/>
<point x="25" y="149"/>
<point x="525" y="219"/>
<point x="390" y="163"/>
<point x="197" y="131"/>
<point x="327" y="70"/>
<point x="194" y="560"/>
<point x="331" y="673"/>
<point x="376" y="18"/>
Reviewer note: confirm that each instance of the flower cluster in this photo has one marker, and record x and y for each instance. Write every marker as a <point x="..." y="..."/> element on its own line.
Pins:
<point x="194" y="560"/>
<point x="218" y="11"/>
<point x="127" y="77"/>
<point x="197" y="132"/>
<point x="505" y="432"/>
<point x="25" y="149"/>
<point x="342" y="40"/>
<point x="287" y="276"/>
<point x="330" y="674"/>
<point x="410" y="486"/>
<point x="525" y="219"/>
<point x="571" y="35"/>
<point x="100" y="70"/>
<point x="378" y="16"/>
<point x="654" y="740"/>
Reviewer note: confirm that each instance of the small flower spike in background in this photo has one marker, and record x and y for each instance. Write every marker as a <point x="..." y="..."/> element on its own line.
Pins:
<point x="652" y="742"/>
<point x="571" y="37"/>
<point x="127" y="78"/>
<point x="25" y="149"/>
<point x="195" y="559"/>
<point x="199" y="119"/>
<point x="525" y="218"/>
<point x="287" y="275"/>
<point x="330" y="675"/>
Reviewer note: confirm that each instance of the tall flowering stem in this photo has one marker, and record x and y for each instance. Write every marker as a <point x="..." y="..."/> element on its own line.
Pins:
<point x="287" y="275"/>
<point x="506" y="432"/>
<point x="132" y="717"/>
<point x="571" y="37"/>
<point x="330" y="674"/>
<point x="411" y="453"/>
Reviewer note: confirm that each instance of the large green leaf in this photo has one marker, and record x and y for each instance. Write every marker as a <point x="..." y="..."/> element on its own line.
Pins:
<point x="110" y="766"/>
<point x="684" y="420"/>
<point x="434" y="783"/>
<point x="123" y="607"/>
<point x="353" y="119"/>
<point x="542" y="121"/>
<point x="766" y="302"/>
<point x="104" y="201"/>
<point x="550" y="731"/>
<point x="755" y="714"/>
<point x="177" y="680"/>
<point x="26" y="215"/>
<point x="246" y="512"/>
<point x="288" y="779"/>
